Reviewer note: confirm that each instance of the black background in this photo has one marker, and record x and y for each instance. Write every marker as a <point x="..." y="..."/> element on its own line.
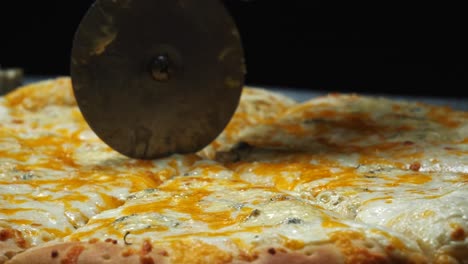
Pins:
<point x="372" y="47"/>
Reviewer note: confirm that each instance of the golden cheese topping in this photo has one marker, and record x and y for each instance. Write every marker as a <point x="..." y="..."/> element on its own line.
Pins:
<point x="355" y="130"/>
<point x="427" y="207"/>
<point x="394" y="164"/>
<point x="209" y="204"/>
<point x="256" y="106"/>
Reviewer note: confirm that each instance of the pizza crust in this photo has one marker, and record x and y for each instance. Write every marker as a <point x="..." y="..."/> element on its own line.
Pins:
<point x="11" y="243"/>
<point x="78" y="252"/>
<point x="112" y="252"/>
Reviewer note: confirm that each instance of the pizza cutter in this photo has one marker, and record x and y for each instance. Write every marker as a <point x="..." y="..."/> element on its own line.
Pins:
<point x="157" y="77"/>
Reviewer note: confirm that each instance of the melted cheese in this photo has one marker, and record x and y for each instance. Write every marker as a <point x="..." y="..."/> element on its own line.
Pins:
<point x="405" y="153"/>
<point x="226" y="213"/>
<point x="56" y="171"/>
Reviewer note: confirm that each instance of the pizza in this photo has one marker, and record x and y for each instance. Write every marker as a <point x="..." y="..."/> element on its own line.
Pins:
<point x="341" y="178"/>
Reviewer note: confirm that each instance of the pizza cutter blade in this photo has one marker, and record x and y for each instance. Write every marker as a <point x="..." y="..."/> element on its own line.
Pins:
<point x="158" y="77"/>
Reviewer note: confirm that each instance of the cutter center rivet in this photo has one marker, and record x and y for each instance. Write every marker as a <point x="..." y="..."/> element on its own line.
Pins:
<point x="160" y="68"/>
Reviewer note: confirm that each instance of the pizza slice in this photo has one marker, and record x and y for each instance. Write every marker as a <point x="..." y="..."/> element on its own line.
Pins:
<point x="430" y="208"/>
<point x="207" y="216"/>
<point x="55" y="174"/>
<point x="365" y="130"/>
<point x="395" y="164"/>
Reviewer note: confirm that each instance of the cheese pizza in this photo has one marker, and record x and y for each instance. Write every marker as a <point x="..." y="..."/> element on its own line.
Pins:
<point x="337" y="179"/>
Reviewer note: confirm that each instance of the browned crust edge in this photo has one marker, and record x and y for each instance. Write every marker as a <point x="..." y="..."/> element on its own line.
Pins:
<point x="8" y="249"/>
<point x="11" y="243"/>
<point x="310" y="255"/>
<point x="84" y="253"/>
<point x="112" y="252"/>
